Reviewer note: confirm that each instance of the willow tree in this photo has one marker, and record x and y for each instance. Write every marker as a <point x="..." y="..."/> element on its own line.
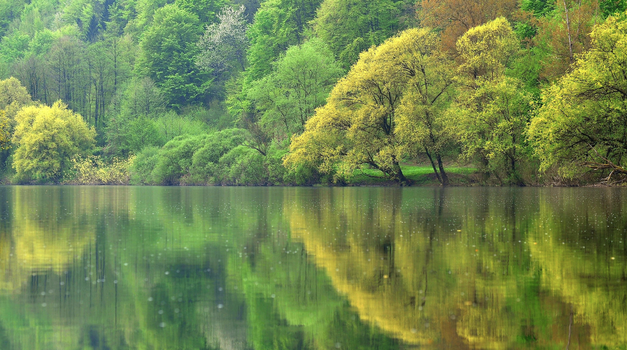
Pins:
<point x="363" y="122"/>
<point x="582" y="121"/>
<point x="423" y="123"/>
<point x="492" y="109"/>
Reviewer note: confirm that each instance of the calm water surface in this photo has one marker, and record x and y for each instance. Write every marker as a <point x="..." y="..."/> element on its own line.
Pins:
<point x="312" y="268"/>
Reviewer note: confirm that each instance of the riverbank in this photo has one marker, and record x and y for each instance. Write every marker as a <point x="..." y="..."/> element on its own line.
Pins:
<point x="418" y="175"/>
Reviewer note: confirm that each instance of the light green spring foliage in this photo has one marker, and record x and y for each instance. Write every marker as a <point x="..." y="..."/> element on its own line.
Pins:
<point x="190" y="159"/>
<point x="486" y="50"/>
<point x="492" y="109"/>
<point x="352" y="26"/>
<point x="216" y="158"/>
<point x="360" y="124"/>
<point x="206" y="10"/>
<point x="172" y="125"/>
<point x="47" y="139"/>
<point x="300" y="82"/>
<point x="582" y="117"/>
<point x="423" y="125"/>
<point x="13" y="96"/>
<point x="128" y="135"/>
<point x="141" y="97"/>
<point x="278" y="25"/>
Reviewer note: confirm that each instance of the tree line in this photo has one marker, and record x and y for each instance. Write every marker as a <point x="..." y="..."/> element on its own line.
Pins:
<point x="248" y="92"/>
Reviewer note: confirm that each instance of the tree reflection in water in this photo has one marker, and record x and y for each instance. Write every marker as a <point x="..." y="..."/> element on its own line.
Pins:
<point x="311" y="268"/>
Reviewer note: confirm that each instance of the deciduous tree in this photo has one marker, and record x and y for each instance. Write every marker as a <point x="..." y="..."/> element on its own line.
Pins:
<point x="564" y="33"/>
<point x="223" y="46"/>
<point x="13" y="96"/>
<point x="362" y="121"/>
<point x="582" y="119"/>
<point x="300" y="83"/>
<point x="47" y="138"/>
<point x="168" y="53"/>
<point x="352" y="26"/>
<point x="5" y="132"/>
<point x="423" y="125"/>
<point x="278" y="25"/>
<point x="492" y="109"/>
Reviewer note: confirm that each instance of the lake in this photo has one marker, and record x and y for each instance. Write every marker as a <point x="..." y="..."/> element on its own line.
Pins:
<point x="312" y="268"/>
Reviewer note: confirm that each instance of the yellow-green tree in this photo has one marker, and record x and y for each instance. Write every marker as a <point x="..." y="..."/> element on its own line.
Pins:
<point x="13" y="96"/>
<point x="362" y="121"/>
<point x="582" y="120"/>
<point x="492" y="109"/>
<point x="47" y="138"/>
<point x="422" y="121"/>
<point x="5" y="132"/>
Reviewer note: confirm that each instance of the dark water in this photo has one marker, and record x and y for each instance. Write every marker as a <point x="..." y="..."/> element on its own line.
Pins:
<point x="309" y="268"/>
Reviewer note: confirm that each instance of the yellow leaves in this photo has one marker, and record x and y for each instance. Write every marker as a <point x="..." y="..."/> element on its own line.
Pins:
<point x="92" y="170"/>
<point x="586" y="108"/>
<point x="486" y="49"/>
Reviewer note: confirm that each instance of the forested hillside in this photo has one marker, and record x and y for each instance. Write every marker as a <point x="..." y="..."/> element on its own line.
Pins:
<point x="269" y="92"/>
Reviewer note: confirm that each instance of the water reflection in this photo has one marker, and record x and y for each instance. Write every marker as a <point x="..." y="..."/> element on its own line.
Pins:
<point x="305" y="268"/>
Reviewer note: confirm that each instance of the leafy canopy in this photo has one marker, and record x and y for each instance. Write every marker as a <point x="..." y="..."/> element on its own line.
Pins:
<point x="168" y="56"/>
<point x="300" y="83"/>
<point x="352" y="26"/>
<point x="582" y="120"/>
<point x="47" y="139"/>
<point x="359" y="125"/>
<point x="492" y="109"/>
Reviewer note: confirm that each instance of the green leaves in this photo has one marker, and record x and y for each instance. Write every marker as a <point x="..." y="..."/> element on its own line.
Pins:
<point x="168" y="53"/>
<point x="300" y="83"/>
<point x="352" y="26"/>
<point x="278" y="25"/>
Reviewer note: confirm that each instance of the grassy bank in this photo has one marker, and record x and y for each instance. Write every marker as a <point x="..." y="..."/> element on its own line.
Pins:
<point x="419" y="175"/>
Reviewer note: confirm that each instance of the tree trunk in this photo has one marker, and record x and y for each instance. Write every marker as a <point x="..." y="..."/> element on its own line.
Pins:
<point x="570" y="40"/>
<point x="398" y="175"/>
<point x="442" y="173"/>
<point x="435" y="170"/>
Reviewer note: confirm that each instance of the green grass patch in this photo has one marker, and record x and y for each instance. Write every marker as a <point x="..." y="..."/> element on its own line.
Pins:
<point x="420" y="175"/>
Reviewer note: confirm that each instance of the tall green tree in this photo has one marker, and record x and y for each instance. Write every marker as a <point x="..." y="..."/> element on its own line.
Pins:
<point x="9" y="10"/>
<point x="168" y="50"/>
<point x="352" y="26"/>
<point x="206" y="10"/>
<point x="300" y="83"/>
<point x="278" y="25"/>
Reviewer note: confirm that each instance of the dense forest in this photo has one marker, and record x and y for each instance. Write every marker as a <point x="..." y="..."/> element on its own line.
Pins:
<point x="269" y="92"/>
